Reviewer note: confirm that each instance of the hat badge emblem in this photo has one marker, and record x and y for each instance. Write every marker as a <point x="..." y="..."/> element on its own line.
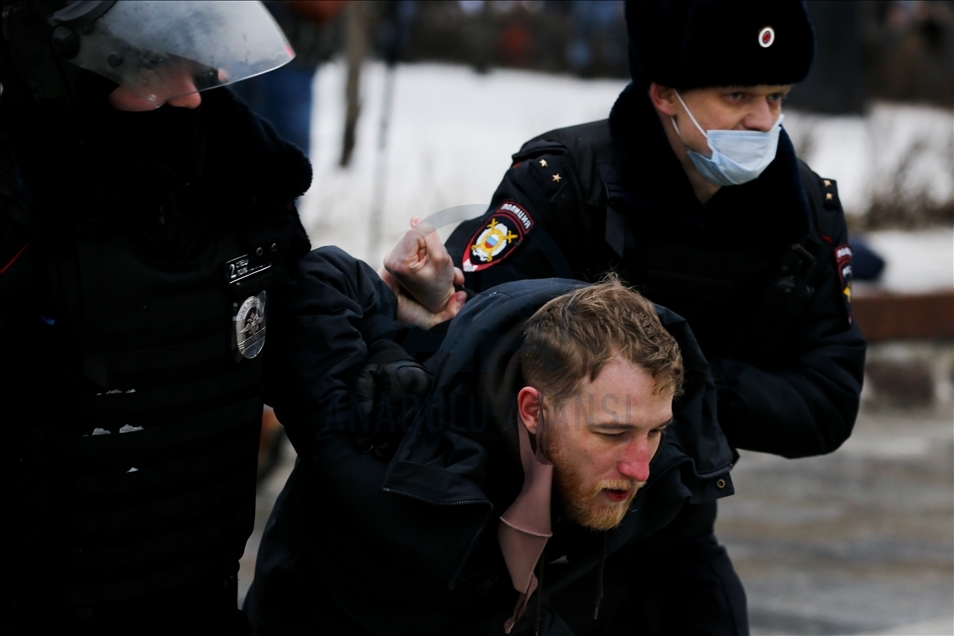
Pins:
<point x="766" y="37"/>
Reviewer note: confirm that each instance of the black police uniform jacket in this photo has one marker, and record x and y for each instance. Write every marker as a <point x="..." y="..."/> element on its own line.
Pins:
<point x="761" y="272"/>
<point x="358" y="544"/>
<point x="138" y="251"/>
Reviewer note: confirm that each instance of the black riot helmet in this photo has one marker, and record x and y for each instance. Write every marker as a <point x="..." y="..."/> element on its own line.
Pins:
<point x="157" y="50"/>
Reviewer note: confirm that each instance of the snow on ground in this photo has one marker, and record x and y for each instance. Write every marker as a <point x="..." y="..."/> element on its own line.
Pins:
<point x="452" y="132"/>
<point x="916" y="261"/>
<point x="451" y="136"/>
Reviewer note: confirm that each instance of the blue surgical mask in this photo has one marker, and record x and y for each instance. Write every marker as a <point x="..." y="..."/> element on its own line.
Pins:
<point x="738" y="156"/>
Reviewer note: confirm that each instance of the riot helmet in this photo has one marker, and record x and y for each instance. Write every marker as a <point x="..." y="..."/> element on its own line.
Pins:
<point x="157" y="50"/>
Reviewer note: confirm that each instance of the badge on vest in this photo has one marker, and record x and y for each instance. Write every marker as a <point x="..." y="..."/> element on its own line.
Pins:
<point x="843" y="262"/>
<point x="498" y="238"/>
<point x="249" y="323"/>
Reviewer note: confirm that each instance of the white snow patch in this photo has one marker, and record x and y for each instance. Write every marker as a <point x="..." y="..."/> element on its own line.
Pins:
<point x="449" y="143"/>
<point x="916" y="261"/>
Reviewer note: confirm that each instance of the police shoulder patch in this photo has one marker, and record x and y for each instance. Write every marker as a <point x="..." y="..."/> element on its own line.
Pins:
<point x="497" y="238"/>
<point x="843" y="263"/>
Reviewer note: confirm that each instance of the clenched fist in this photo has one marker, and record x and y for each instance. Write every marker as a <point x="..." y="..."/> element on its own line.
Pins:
<point x="420" y="264"/>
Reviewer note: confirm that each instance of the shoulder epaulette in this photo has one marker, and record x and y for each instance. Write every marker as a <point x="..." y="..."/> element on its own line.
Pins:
<point x="830" y="194"/>
<point x="536" y="147"/>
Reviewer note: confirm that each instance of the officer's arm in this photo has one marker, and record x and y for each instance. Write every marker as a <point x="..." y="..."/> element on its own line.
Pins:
<point x="518" y="236"/>
<point x="322" y="325"/>
<point x="808" y="405"/>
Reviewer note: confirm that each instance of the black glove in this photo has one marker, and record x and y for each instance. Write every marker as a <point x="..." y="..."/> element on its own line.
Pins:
<point x="390" y="390"/>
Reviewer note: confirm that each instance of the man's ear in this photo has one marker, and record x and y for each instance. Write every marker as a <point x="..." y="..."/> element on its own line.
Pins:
<point x="663" y="99"/>
<point x="528" y="408"/>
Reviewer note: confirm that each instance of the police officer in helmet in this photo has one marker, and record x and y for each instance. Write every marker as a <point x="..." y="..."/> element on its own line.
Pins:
<point x="691" y="190"/>
<point x="147" y="216"/>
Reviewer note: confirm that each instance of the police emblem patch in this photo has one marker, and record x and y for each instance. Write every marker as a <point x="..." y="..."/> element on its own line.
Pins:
<point x="250" y="326"/>
<point x="843" y="262"/>
<point x="497" y="238"/>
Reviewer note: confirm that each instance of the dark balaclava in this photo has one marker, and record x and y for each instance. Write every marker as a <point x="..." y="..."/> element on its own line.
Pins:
<point x="687" y="44"/>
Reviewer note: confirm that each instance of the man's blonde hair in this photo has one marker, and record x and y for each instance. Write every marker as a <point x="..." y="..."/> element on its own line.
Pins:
<point x="575" y="335"/>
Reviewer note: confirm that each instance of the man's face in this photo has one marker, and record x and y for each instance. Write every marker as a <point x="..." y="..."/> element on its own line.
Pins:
<point x="601" y="442"/>
<point x="124" y="99"/>
<point x="728" y="108"/>
<point x="175" y="86"/>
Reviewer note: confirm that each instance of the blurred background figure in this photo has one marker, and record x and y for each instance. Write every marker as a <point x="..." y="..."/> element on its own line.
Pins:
<point x="285" y="97"/>
<point x="594" y="41"/>
<point x="866" y="262"/>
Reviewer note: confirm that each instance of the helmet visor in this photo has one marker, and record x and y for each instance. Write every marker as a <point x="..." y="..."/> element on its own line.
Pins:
<point x="161" y="50"/>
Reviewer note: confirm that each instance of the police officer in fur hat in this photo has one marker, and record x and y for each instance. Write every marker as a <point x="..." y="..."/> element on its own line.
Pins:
<point x="691" y="190"/>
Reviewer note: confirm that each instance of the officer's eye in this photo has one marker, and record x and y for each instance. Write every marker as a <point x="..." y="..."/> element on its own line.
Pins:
<point x="736" y="97"/>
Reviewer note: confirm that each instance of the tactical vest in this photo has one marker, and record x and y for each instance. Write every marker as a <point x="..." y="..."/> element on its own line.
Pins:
<point x="149" y="479"/>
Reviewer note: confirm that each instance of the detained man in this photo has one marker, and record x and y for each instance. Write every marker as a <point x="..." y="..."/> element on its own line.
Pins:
<point x="560" y="423"/>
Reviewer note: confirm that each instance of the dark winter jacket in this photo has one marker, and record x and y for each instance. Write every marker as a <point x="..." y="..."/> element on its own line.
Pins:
<point x="356" y="545"/>
<point x="128" y="243"/>
<point x="774" y="324"/>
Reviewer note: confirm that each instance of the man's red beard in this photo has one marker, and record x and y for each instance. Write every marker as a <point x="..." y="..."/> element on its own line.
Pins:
<point x="590" y="505"/>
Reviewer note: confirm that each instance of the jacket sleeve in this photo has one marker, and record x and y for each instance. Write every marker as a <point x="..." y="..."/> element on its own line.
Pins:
<point x="808" y="404"/>
<point x="323" y="321"/>
<point x="542" y="179"/>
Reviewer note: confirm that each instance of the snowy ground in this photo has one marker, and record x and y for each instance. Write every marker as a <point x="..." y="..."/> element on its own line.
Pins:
<point x="452" y="133"/>
<point x="916" y="261"/>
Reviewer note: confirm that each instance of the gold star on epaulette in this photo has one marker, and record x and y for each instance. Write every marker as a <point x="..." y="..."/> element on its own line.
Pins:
<point x="828" y="196"/>
<point x="827" y="183"/>
<point x="557" y="178"/>
<point x="543" y="163"/>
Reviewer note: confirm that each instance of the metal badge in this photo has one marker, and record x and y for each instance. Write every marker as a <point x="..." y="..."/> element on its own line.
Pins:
<point x="766" y="37"/>
<point x="250" y="325"/>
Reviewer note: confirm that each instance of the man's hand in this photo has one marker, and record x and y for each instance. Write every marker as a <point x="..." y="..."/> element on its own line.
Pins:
<point x="421" y="265"/>
<point x="410" y="311"/>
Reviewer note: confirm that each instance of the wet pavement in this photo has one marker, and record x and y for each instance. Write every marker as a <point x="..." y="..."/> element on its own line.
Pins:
<point x="857" y="542"/>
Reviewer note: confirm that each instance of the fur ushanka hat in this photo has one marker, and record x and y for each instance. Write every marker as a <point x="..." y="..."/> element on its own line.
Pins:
<point x="688" y="44"/>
